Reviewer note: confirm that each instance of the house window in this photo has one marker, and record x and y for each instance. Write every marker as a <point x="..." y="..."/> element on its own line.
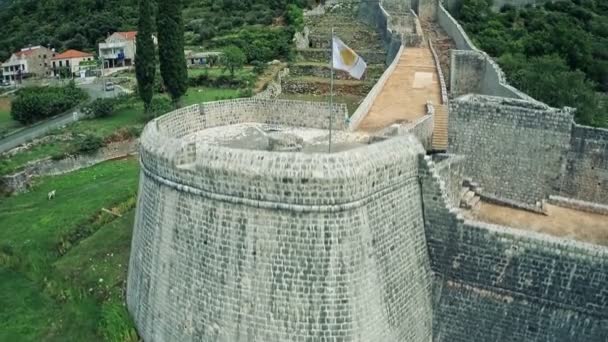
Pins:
<point x="60" y="64"/>
<point x="54" y="66"/>
<point x="67" y="63"/>
<point x="44" y="56"/>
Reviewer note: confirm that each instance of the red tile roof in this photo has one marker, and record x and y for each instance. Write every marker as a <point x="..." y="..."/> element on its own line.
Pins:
<point x="72" y="54"/>
<point x="26" y="52"/>
<point x="130" y="35"/>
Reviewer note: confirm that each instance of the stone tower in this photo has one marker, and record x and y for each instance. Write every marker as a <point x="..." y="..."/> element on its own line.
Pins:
<point x="236" y="244"/>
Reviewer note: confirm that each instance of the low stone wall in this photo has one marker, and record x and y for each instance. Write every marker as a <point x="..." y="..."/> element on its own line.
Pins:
<point x="274" y="88"/>
<point x="374" y="71"/>
<point x="20" y="181"/>
<point x="579" y="205"/>
<point x="514" y="149"/>
<point x="307" y="86"/>
<point x="442" y="84"/>
<point x="494" y="283"/>
<point x="324" y="55"/>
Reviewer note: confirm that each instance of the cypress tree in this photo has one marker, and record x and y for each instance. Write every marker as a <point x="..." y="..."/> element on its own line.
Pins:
<point x="171" y="48"/>
<point x="145" y="57"/>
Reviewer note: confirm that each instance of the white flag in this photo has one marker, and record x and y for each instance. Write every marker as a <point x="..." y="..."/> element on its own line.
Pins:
<point x="344" y="58"/>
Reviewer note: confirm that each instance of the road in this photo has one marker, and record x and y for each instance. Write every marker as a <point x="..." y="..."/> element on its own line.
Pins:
<point x="94" y="90"/>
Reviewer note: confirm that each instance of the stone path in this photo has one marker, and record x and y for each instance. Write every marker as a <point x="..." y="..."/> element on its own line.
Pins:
<point x="559" y="221"/>
<point x="404" y="96"/>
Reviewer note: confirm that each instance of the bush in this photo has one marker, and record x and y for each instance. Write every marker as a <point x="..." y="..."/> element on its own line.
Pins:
<point x="88" y="143"/>
<point x="32" y="104"/>
<point x="100" y="108"/>
<point x="158" y="107"/>
<point x="259" y="67"/>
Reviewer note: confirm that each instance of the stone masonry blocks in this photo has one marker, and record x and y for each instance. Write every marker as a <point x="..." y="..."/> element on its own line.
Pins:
<point x="233" y="245"/>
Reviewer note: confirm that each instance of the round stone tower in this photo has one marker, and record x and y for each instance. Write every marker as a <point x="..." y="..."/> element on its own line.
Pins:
<point x="246" y="232"/>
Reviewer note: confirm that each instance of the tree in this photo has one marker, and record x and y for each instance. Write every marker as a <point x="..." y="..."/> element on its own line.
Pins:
<point x="145" y="57"/>
<point x="234" y="58"/>
<point x="171" y="48"/>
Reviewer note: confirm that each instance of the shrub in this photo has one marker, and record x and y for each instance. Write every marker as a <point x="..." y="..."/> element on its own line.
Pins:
<point x="158" y="107"/>
<point x="259" y="67"/>
<point x="32" y="104"/>
<point x="88" y="143"/>
<point x="100" y="108"/>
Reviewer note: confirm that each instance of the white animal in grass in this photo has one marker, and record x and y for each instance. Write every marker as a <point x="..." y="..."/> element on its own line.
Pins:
<point x="51" y="195"/>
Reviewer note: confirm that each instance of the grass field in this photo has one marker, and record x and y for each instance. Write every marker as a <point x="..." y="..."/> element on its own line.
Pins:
<point x="129" y="116"/>
<point x="244" y="72"/>
<point x="7" y="124"/>
<point x="63" y="262"/>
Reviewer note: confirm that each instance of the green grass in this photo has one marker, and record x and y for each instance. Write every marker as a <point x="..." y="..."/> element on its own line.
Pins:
<point x="128" y="116"/>
<point x="7" y="124"/>
<point x="244" y="72"/>
<point x="45" y="295"/>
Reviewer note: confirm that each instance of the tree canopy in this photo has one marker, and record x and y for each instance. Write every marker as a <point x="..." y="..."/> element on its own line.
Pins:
<point x="81" y="24"/>
<point x="557" y="53"/>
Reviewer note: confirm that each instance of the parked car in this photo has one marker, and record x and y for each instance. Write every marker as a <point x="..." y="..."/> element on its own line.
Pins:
<point x="109" y="86"/>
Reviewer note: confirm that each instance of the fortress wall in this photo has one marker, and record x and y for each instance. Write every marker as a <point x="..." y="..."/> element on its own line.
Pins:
<point x="372" y="13"/>
<point x="495" y="283"/>
<point x="514" y="149"/>
<point x="369" y="100"/>
<point x="451" y="170"/>
<point x="585" y="176"/>
<point x="253" y="245"/>
<point x="472" y="70"/>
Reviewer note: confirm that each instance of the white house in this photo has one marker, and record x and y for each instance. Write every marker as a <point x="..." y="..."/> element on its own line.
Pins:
<point x="119" y="49"/>
<point x="30" y="61"/>
<point x="71" y="60"/>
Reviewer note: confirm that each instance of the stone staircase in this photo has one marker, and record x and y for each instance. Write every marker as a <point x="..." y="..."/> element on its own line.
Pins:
<point x="469" y="198"/>
<point x="440" y="132"/>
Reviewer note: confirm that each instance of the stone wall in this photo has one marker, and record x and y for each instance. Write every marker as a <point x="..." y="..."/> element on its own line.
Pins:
<point x="494" y="283"/>
<point x="367" y="103"/>
<point x="514" y="149"/>
<point x="524" y="152"/>
<point x="585" y="176"/>
<point x="472" y="70"/>
<point x="20" y="181"/>
<point x="372" y="13"/>
<point x="235" y="245"/>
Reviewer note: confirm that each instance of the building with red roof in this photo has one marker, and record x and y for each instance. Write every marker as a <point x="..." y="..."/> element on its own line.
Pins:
<point x="71" y="62"/>
<point x="30" y="61"/>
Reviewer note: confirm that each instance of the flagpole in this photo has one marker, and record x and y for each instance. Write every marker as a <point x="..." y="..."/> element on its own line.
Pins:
<point x="331" y="89"/>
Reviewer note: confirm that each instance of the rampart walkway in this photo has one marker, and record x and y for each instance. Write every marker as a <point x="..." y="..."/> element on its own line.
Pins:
<point x="405" y="94"/>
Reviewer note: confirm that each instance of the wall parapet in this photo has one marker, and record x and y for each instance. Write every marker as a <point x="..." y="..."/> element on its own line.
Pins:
<point x="509" y="282"/>
<point x="167" y="152"/>
<point x="489" y="79"/>
<point x="369" y="100"/>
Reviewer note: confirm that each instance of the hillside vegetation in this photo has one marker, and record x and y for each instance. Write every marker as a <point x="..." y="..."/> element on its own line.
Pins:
<point x="556" y="53"/>
<point x="81" y="24"/>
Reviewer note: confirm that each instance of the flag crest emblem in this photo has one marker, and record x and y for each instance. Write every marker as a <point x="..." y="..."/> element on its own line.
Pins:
<point x="345" y="59"/>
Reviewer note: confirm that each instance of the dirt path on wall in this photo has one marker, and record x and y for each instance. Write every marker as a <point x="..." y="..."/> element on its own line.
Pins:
<point x="403" y="98"/>
<point x="560" y="222"/>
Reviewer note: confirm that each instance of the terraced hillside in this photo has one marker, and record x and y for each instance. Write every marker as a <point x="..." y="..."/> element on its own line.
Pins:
<point x="309" y="77"/>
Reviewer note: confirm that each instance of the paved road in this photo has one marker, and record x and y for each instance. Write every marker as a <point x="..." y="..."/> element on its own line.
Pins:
<point x="94" y="90"/>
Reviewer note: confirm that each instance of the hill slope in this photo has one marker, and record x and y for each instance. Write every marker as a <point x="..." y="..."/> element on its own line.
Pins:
<point x="80" y="24"/>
